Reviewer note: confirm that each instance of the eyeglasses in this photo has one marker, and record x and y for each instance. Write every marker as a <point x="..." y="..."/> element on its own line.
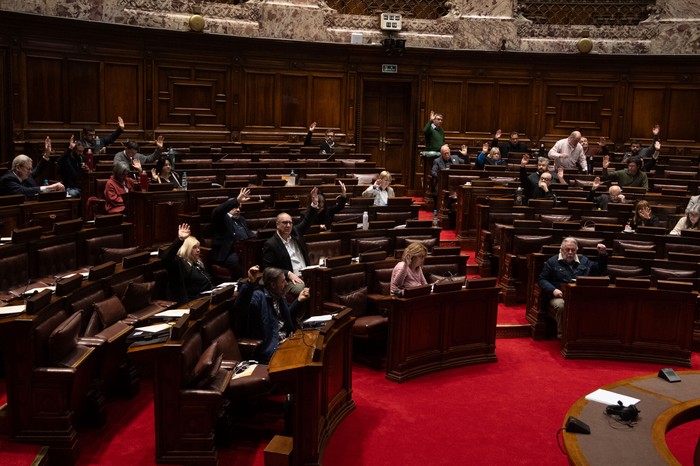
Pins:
<point x="546" y="179"/>
<point x="285" y="222"/>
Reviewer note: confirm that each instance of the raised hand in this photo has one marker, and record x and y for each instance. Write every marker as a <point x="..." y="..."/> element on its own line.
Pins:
<point x="71" y="143"/>
<point x="602" y="141"/>
<point x="499" y="133"/>
<point x="183" y="231"/>
<point x="47" y="147"/>
<point x="601" y="249"/>
<point x="656" y="129"/>
<point x="244" y="195"/>
<point x="463" y="150"/>
<point x="312" y="126"/>
<point x="304" y="295"/>
<point x="159" y="142"/>
<point x="137" y="164"/>
<point x="314" y="196"/>
<point x="120" y="122"/>
<point x="343" y="190"/>
<point x="254" y="273"/>
<point x="657" y="146"/>
<point x="606" y="161"/>
<point x="432" y="115"/>
<point x="560" y="173"/>
<point x="524" y="160"/>
<point x="154" y="174"/>
<point x="485" y="148"/>
<point x="645" y="213"/>
<point x="596" y="183"/>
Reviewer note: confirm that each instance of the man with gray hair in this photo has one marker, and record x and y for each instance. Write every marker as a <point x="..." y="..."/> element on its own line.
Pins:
<point x="563" y="268"/>
<point x="601" y="201"/>
<point x="568" y="153"/>
<point x="20" y="178"/>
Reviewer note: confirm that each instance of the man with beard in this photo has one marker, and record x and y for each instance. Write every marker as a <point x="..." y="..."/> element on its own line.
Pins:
<point x="229" y="228"/>
<point x="591" y="151"/>
<point x="512" y="145"/>
<point x="630" y="176"/>
<point x="92" y="142"/>
<point x="564" y="268"/>
<point x="644" y="154"/>
<point x="531" y="183"/>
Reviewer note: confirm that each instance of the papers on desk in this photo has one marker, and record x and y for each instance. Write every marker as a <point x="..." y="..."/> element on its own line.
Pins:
<point x="84" y="274"/>
<point x="153" y="328"/>
<point x="12" y="310"/>
<point x="154" y="253"/>
<point x="220" y="286"/>
<point x="610" y="398"/>
<point x="39" y="289"/>
<point x="317" y="321"/>
<point x="170" y="313"/>
<point x="5" y="239"/>
<point x="246" y="372"/>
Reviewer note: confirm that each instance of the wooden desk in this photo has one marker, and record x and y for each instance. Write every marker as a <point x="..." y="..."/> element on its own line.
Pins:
<point x="315" y="367"/>
<point x="663" y="406"/>
<point x="441" y="330"/>
<point x="632" y="324"/>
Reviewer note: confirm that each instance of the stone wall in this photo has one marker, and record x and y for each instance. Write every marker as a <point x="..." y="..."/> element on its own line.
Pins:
<point x="674" y="28"/>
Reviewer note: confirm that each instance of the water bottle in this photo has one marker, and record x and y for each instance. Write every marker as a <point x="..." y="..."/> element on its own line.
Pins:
<point x="365" y="220"/>
<point x="541" y="154"/>
<point x="46" y="182"/>
<point x="519" y="196"/>
<point x="143" y="181"/>
<point x="184" y="180"/>
<point x="436" y="221"/>
<point x="90" y="160"/>
<point x="292" y="179"/>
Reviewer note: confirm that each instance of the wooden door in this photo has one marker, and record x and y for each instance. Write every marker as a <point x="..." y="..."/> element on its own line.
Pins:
<point x="387" y="127"/>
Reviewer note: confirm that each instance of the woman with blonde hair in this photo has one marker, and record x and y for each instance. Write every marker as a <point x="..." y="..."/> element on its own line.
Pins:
<point x="409" y="272"/>
<point x="691" y="220"/>
<point x="380" y="190"/>
<point x="187" y="278"/>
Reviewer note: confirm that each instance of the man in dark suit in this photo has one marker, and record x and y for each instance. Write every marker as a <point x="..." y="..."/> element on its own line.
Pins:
<point x="286" y="249"/>
<point x="229" y="228"/>
<point x="20" y="178"/>
<point x="512" y="145"/>
<point x="531" y="183"/>
<point x="328" y="144"/>
<point x="444" y="161"/>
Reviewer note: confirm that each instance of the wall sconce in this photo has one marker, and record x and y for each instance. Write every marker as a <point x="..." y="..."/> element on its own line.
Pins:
<point x="394" y="46"/>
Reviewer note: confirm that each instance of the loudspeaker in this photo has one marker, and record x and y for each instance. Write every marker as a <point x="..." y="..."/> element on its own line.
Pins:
<point x="669" y="375"/>
<point x="577" y="426"/>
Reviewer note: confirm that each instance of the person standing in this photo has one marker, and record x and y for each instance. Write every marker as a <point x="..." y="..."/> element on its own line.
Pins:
<point x="230" y="227"/>
<point x="434" y="133"/>
<point x="568" y="153"/>
<point x="71" y="165"/>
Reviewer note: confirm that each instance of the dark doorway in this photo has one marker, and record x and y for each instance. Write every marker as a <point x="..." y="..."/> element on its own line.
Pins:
<point x="387" y="127"/>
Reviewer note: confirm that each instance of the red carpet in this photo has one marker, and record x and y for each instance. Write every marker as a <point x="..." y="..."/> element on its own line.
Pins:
<point x="497" y="414"/>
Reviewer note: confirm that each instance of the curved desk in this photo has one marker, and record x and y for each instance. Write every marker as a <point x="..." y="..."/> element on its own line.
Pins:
<point x="663" y="406"/>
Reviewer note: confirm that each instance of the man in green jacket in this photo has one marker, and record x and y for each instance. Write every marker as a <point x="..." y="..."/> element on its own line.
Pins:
<point x="434" y="134"/>
<point x="630" y="176"/>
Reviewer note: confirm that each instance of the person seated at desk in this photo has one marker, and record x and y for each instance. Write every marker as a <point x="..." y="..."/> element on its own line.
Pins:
<point x="564" y="268"/>
<point x="163" y="173"/>
<point x="98" y="145"/>
<point x="135" y="160"/>
<point x="326" y="215"/>
<point x="643" y="216"/>
<point x="287" y="250"/>
<point x="494" y="157"/>
<point x="229" y="228"/>
<point x="328" y="144"/>
<point x="117" y="186"/>
<point x="187" y="278"/>
<point x="482" y="156"/>
<point x="544" y="190"/>
<point x="270" y="318"/>
<point x="444" y="161"/>
<point x="71" y="165"/>
<point x="380" y="190"/>
<point x="409" y="272"/>
<point x="512" y="145"/>
<point x="20" y="178"/>
<point x="690" y="221"/>
<point x="630" y="176"/>
<point x="531" y="182"/>
<point x="614" y="195"/>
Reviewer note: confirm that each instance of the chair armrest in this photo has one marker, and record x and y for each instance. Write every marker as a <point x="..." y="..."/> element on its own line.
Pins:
<point x="45" y="375"/>
<point x="144" y="313"/>
<point x="92" y="342"/>
<point x="114" y="332"/>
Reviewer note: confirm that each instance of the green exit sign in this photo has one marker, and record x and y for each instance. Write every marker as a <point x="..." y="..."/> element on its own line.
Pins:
<point x="390" y="68"/>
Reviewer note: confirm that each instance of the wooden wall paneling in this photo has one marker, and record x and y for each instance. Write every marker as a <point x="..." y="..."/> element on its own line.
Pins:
<point x="327" y="102"/>
<point x="6" y="110"/>
<point x="480" y="111"/>
<point x="82" y="91"/>
<point x="259" y="100"/>
<point x="351" y="116"/>
<point x="43" y="90"/>
<point x="399" y="128"/>
<point x="683" y="120"/>
<point x="294" y="101"/>
<point x="447" y="96"/>
<point x="645" y="108"/>
<point x="370" y="123"/>
<point x="122" y="95"/>
<point x="513" y="109"/>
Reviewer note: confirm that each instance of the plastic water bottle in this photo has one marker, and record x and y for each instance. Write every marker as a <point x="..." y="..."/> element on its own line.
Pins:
<point x="436" y="221"/>
<point x="365" y="220"/>
<point x="519" y="196"/>
<point x="184" y="180"/>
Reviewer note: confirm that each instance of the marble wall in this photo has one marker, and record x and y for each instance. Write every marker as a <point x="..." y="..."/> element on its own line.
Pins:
<point x="674" y="28"/>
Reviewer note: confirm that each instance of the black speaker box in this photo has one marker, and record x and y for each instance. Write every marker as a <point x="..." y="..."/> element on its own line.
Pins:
<point x="577" y="426"/>
<point x="669" y="375"/>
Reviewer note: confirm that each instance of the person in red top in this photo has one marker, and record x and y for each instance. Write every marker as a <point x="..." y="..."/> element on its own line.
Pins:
<point x="117" y="186"/>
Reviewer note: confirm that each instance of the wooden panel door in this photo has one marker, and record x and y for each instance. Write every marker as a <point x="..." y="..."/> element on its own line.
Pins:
<point x="386" y="126"/>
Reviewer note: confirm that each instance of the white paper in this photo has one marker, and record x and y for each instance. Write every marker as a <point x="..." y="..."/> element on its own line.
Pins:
<point x="39" y="289"/>
<point x="173" y="313"/>
<point x="610" y="398"/>
<point x="246" y="372"/>
<point x="225" y="284"/>
<point x="12" y="309"/>
<point x="323" y="318"/>
<point x="6" y="239"/>
<point x="154" y="328"/>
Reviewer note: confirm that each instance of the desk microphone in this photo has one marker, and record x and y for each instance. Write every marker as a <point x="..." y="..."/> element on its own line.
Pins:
<point x="201" y="270"/>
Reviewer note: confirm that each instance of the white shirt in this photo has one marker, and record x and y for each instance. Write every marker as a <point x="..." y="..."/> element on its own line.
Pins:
<point x="575" y="154"/>
<point x="295" y="254"/>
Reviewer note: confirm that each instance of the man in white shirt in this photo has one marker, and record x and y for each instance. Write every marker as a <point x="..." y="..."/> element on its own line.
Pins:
<point x="568" y="153"/>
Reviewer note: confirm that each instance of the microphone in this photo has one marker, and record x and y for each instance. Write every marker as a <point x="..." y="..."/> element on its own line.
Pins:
<point x="31" y="221"/>
<point x="203" y="272"/>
